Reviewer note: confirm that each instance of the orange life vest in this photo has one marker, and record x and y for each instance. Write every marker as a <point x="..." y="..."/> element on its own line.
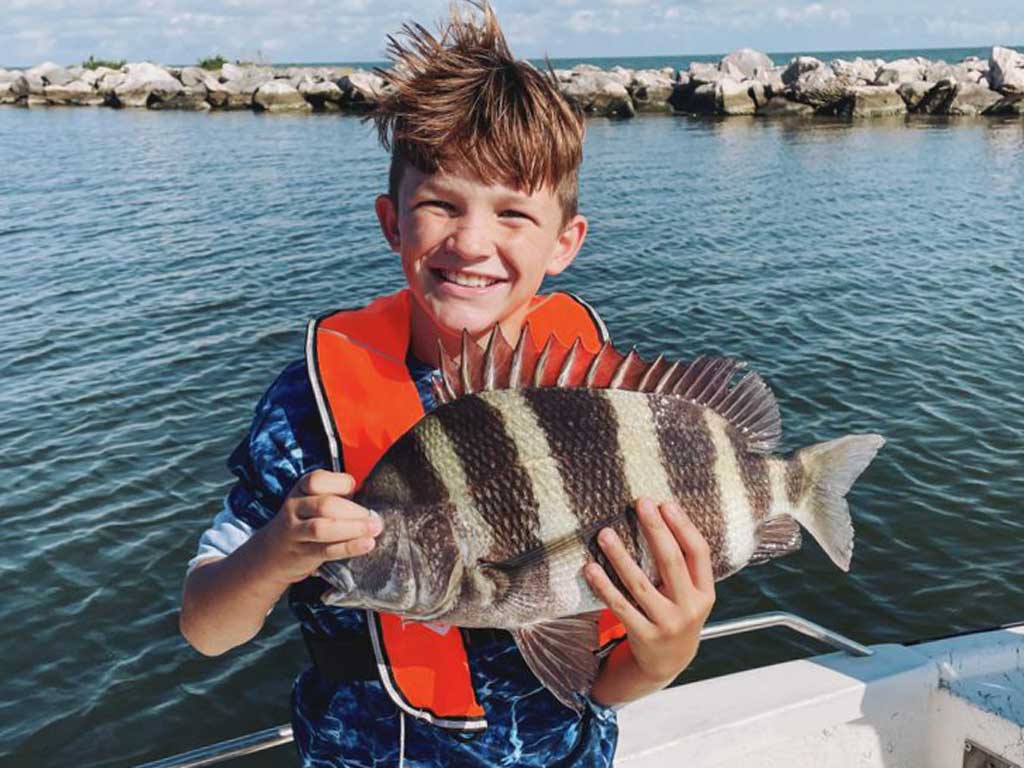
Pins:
<point x="357" y="359"/>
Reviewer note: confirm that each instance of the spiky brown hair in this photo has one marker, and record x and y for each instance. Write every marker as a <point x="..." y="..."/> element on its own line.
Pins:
<point x="461" y="103"/>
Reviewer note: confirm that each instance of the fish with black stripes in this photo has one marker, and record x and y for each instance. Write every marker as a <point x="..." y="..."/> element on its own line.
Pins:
<point x="492" y="503"/>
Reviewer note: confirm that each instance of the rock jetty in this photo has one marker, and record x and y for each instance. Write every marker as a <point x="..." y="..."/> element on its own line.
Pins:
<point x="746" y="82"/>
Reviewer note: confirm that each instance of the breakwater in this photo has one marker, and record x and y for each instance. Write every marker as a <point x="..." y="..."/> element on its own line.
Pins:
<point x="745" y="82"/>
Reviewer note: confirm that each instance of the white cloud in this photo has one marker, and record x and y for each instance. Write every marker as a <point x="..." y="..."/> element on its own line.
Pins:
<point x="811" y="14"/>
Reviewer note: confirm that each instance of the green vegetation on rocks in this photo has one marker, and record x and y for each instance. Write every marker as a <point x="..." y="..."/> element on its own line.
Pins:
<point x="212" y="62"/>
<point x="93" y="63"/>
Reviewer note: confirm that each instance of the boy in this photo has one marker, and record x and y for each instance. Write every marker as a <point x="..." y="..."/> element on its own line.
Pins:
<point x="481" y="206"/>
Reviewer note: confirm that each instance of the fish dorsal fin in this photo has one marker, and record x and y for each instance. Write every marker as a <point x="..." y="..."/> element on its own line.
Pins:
<point x="749" y="405"/>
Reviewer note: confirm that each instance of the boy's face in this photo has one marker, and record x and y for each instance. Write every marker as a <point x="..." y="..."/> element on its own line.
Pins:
<point x="474" y="254"/>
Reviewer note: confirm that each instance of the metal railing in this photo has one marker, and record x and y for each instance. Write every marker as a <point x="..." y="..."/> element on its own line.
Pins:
<point x="282" y="734"/>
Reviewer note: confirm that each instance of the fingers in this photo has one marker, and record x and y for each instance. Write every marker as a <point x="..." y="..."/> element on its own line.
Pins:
<point x="333" y="507"/>
<point x="325" y="530"/>
<point x="669" y="559"/>
<point x="320" y="482"/>
<point x="617" y="603"/>
<point x="695" y="549"/>
<point x="345" y="549"/>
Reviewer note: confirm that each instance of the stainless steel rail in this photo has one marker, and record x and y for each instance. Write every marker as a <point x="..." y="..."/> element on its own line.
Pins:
<point x="226" y="750"/>
<point x="781" y="619"/>
<point x="282" y="734"/>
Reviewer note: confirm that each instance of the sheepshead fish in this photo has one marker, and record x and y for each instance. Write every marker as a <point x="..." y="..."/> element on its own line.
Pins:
<point x="491" y="503"/>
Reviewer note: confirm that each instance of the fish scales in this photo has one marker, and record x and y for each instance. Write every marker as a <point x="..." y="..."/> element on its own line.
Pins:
<point x="688" y="452"/>
<point x="739" y="523"/>
<point x="590" y="466"/>
<point x="754" y="472"/>
<point x="541" y="460"/>
<point x="486" y="454"/>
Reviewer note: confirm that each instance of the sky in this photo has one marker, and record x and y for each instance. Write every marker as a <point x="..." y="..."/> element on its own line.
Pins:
<point x="183" y="31"/>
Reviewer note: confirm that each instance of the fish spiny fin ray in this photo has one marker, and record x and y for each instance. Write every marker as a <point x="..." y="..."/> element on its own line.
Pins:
<point x="562" y="654"/>
<point x="749" y="406"/>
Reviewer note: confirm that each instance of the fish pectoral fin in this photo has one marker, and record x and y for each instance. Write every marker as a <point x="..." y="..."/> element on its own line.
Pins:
<point x="552" y="550"/>
<point x="776" y="537"/>
<point x="562" y="653"/>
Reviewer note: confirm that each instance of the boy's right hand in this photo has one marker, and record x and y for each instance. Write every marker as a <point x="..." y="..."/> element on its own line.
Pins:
<point x="316" y="524"/>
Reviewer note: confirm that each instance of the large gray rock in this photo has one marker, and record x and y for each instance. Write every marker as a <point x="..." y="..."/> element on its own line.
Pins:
<point x="914" y="93"/>
<point x="1006" y="70"/>
<point x="973" y="62"/>
<point x="702" y="73"/>
<point x="241" y="83"/>
<point x="818" y="87"/>
<point x="13" y="89"/>
<point x="973" y="100"/>
<point x="733" y="98"/>
<point x="280" y="96"/>
<point x="145" y="84"/>
<point x="325" y="96"/>
<point x="36" y="84"/>
<point x="231" y="95"/>
<point x="362" y="89"/>
<point x="244" y="73"/>
<point x="801" y="66"/>
<point x="938" y="70"/>
<point x="963" y="73"/>
<point x="191" y="98"/>
<point x="596" y="93"/>
<point x="695" y="98"/>
<point x="1012" y="105"/>
<point x="621" y="75"/>
<point x="108" y="83"/>
<point x="758" y="91"/>
<point x="45" y="70"/>
<point x="77" y="93"/>
<point x="860" y="70"/>
<point x="748" y="62"/>
<point x="872" y="101"/>
<point x="901" y="71"/>
<point x="93" y="76"/>
<point x="779" y="106"/>
<point x="939" y="97"/>
<point x="651" y="89"/>
<point x="193" y="76"/>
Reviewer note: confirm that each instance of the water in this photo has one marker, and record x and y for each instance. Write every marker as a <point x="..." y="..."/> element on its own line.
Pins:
<point x="158" y="269"/>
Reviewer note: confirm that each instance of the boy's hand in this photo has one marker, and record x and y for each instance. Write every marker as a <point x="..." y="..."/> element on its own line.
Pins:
<point x="665" y="631"/>
<point x="315" y="524"/>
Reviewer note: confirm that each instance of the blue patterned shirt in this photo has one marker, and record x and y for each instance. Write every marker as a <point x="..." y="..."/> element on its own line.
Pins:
<point x="355" y="724"/>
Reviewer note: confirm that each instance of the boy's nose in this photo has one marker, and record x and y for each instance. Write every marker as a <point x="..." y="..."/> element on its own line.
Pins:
<point x="471" y="240"/>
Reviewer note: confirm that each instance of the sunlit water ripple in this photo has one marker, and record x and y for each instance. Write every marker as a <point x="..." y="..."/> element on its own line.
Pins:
<point x="158" y="270"/>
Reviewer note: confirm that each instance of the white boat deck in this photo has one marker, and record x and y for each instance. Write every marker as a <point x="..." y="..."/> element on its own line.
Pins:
<point x="902" y="707"/>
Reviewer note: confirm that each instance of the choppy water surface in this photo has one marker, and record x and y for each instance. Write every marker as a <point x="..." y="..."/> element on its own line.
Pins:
<point x="158" y="269"/>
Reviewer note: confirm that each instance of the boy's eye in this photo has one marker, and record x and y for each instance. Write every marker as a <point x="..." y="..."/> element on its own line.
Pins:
<point x="511" y="213"/>
<point x="437" y="204"/>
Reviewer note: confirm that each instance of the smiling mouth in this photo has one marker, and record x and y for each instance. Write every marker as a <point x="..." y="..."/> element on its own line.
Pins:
<point x="464" y="279"/>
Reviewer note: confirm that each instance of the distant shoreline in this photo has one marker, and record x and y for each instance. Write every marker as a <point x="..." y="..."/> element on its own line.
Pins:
<point x="743" y="83"/>
<point x="655" y="61"/>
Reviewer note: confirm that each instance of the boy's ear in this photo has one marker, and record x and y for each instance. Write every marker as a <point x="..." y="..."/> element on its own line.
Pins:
<point x="387" y="215"/>
<point x="568" y="244"/>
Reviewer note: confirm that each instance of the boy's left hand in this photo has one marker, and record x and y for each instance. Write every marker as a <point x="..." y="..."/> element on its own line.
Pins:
<point x="665" y="631"/>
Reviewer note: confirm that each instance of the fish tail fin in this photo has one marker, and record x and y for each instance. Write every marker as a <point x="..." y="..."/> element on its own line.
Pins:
<point x="831" y="469"/>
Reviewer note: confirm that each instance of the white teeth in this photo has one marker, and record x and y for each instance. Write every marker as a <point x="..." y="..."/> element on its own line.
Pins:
<point x="470" y="281"/>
